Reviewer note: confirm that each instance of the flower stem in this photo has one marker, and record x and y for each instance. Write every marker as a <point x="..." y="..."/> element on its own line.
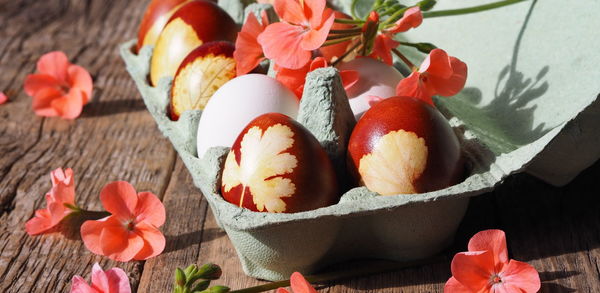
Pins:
<point x="349" y="21"/>
<point x="345" y="54"/>
<point x="346" y="31"/>
<point x="468" y="10"/>
<point x="352" y="273"/>
<point x="404" y="59"/>
<point x="331" y="42"/>
<point x="337" y="37"/>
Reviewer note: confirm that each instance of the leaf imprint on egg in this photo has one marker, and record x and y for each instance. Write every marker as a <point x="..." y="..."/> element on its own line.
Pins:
<point x="262" y="161"/>
<point x="397" y="160"/>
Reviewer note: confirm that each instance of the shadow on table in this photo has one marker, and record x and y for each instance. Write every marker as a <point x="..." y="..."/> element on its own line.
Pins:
<point x="105" y="108"/>
<point x="181" y="241"/>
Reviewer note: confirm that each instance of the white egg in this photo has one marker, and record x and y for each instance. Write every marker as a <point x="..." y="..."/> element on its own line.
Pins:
<point x="238" y="102"/>
<point x="375" y="79"/>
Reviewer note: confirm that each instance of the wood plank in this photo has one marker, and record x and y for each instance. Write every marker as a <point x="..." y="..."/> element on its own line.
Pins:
<point x="186" y="210"/>
<point x="113" y="140"/>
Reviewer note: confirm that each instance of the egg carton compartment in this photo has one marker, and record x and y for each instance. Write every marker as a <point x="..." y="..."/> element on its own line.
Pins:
<point x="362" y="224"/>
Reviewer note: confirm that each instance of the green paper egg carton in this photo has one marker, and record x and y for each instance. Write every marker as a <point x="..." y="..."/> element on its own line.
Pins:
<point x="509" y="115"/>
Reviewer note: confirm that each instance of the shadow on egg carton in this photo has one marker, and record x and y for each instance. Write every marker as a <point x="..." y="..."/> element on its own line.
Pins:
<point x="272" y="246"/>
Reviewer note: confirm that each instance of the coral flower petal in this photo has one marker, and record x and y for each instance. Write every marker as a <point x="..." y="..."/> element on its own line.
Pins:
<point x="521" y="277"/>
<point x="410" y="87"/>
<point x="118" y="243"/>
<point x="494" y="241"/>
<point x="149" y="208"/>
<point x="99" y="278"/>
<point x="118" y="281"/>
<point x="64" y="182"/>
<point x="412" y="18"/>
<point x="154" y="241"/>
<point x="349" y="78"/>
<point x="473" y="269"/>
<point x="40" y="223"/>
<point x="282" y="290"/>
<point x="42" y="102"/>
<point x="290" y="11"/>
<point x="437" y="63"/>
<point x="54" y="64"/>
<point x="36" y="82"/>
<point x="3" y="98"/>
<point x="300" y="285"/>
<point x="455" y="83"/>
<point x="313" y="10"/>
<point x="90" y="234"/>
<point x="383" y="48"/>
<point x="281" y="42"/>
<point x="81" y="79"/>
<point x="454" y="286"/>
<point x="70" y="105"/>
<point x="80" y="286"/>
<point x="248" y="52"/>
<point x="313" y="39"/>
<point x="120" y="199"/>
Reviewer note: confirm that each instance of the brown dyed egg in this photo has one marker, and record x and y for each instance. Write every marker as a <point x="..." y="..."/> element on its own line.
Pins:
<point x="200" y="75"/>
<point x="404" y="145"/>
<point x="276" y="165"/>
<point x="192" y="25"/>
<point x="154" y="20"/>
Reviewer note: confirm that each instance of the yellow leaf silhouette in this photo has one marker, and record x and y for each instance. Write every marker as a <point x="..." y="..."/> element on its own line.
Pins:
<point x="260" y="161"/>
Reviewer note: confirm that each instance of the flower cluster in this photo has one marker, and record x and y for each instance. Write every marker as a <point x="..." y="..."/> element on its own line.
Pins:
<point x="130" y="232"/>
<point x="58" y="88"/>
<point x="309" y="35"/>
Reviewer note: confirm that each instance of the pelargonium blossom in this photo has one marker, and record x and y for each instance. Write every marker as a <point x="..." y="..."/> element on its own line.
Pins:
<point x="439" y="74"/>
<point x="61" y="195"/>
<point x="304" y="27"/>
<point x="248" y="52"/>
<point x="486" y="268"/>
<point x="131" y="231"/>
<point x="111" y="281"/>
<point x="58" y="88"/>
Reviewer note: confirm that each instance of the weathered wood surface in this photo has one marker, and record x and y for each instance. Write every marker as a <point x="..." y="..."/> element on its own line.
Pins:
<point x="557" y="230"/>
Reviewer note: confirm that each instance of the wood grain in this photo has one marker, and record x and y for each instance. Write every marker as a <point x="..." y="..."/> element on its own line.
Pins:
<point x="557" y="230"/>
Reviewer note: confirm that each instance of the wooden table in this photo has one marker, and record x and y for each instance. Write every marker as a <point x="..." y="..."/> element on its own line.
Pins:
<point x="557" y="230"/>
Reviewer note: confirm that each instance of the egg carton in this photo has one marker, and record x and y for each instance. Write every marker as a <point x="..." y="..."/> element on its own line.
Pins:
<point x="362" y="224"/>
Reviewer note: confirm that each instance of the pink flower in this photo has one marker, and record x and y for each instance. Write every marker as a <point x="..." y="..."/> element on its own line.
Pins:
<point x="382" y="48"/>
<point x="61" y="194"/>
<point x="486" y="268"/>
<point x="58" y="88"/>
<point x="439" y="74"/>
<point x="412" y="18"/>
<point x="248" y="52"/>
<point x="131" y="232"/>
<point x="3" y="98"/>
<point x="304" y="27"/>
<point x="298" y="284"/>
<point x="112" y="281"/>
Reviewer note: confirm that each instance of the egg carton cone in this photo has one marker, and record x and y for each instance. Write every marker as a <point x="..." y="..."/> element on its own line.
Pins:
<point x="529" y="101"/>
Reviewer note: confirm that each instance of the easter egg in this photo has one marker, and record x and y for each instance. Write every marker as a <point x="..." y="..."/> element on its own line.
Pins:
<point x="375" y="79"/>
<point x="192" y="25"/>
<point x="156" y="16"/>
<point x="404" y="145"/>
<point x="276" y="165"/>
<point x="200" y="75"/>
<point x="238" y="102"/>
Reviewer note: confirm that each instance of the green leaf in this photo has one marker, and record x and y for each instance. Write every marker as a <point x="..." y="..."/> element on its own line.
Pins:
<point x="210" y="271"/>
<point x="361" y="8"/>
<point x="201" y="286"/>
<point x="179" y="277"/>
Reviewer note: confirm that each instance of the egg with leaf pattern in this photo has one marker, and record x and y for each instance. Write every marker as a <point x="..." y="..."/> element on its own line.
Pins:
<point x="276" y="165"/>
<point x="404" y="145"/>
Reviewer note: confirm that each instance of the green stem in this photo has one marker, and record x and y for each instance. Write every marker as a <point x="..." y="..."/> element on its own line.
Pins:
<point x="352" y="273"/>
<point x="347" y="31"/>
<point x="349" y="21"/>
<point x="468" y="10"/>
<point x="337" y="41"/>
<point x="337" y="37"/>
